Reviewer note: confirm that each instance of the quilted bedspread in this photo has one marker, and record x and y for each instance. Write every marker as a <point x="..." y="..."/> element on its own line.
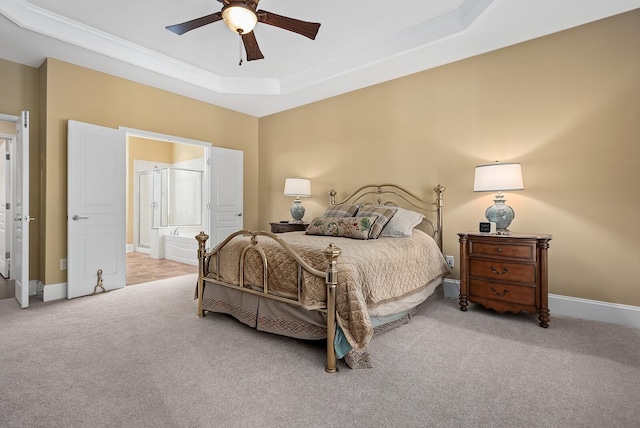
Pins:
<point x="370" y="272"/>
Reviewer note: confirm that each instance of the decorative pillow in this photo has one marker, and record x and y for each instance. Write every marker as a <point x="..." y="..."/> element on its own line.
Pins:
<point x="401" y="225"/>
<point x="384" y="215"/>
<point x="348" y="227"/>
<point x="342" y="210"/>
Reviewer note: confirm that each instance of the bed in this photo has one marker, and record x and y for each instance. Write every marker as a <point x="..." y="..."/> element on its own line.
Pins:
<point x="361" y="267"/>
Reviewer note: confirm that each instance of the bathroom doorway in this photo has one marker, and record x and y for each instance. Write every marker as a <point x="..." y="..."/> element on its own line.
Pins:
<point x="165" y="206"/>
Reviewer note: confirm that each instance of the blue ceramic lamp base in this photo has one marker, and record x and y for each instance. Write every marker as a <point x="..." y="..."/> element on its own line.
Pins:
<point x="501" y="214"/>
<point x="297" y="212"/>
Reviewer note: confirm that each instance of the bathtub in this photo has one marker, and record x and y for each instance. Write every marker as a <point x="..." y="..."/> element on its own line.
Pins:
<point x="181" y="248"/>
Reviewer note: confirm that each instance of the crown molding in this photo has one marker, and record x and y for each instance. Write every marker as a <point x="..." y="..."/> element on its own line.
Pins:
<point x="42" y="21"/>
<point x="45" y="22"/>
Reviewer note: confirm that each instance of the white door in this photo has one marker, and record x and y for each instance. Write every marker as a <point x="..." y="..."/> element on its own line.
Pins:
<point x="96" y="198"/>
<point x="5" y="181"/>
<point x="20" y="208"/>
<point x="226" y="193"/>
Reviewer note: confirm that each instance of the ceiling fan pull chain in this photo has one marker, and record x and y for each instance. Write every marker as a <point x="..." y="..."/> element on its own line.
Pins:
<point x="240" y="48"/>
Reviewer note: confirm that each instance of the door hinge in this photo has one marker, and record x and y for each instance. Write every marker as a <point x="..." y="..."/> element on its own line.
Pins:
<point x="7" y="255"/>
<point x="8" y="157"/>
<point x="7" y="206"/>
<point x="25" y="116"/>
<point x="208" y="161"/>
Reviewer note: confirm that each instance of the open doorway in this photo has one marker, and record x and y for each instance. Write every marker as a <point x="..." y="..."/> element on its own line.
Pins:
<point x="100" y="194"/>
<point x="7" y="130"/>
<point x="14" y="213"/>
<point x="165" y="206"/>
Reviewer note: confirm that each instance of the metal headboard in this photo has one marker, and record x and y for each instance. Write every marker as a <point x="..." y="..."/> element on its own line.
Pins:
<point x="384" y="191"/>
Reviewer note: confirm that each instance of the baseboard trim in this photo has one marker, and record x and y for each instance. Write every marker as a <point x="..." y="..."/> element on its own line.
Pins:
<point x="576" y="307"/>
<point x="34" y="287"/>
<point x="54" y="292"/>
<point x="451" y="288"/>
<point x="594" y="310"/>
<point x="190" y="261"/>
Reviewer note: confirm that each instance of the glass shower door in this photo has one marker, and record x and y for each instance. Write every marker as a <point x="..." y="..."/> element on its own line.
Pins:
<point x="145" y="207"/>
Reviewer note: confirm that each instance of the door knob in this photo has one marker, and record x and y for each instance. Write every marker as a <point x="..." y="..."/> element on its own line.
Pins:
<point x="77" y="217"/>
<point x="239" y="214"/>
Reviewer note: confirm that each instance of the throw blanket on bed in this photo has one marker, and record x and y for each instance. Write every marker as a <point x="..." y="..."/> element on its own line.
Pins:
<point x="370" y="272"/>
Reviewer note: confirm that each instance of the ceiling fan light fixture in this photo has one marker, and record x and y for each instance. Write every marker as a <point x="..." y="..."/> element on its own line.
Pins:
<point x="239" y="17"/>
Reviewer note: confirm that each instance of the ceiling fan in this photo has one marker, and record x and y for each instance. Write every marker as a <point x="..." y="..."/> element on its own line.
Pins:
<point x="241" y="17"/>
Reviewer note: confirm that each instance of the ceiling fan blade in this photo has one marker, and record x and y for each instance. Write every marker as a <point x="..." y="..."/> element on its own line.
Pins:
<point x="307" y="29"/>
<point x="194" y="23"/>
<point x="251" y="46"/>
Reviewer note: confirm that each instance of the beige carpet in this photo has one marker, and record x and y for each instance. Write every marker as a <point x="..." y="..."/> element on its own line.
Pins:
<point x="139" y="357"/>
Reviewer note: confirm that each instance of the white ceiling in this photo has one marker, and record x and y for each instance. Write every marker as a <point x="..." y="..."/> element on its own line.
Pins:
<point x="359" y="43"/>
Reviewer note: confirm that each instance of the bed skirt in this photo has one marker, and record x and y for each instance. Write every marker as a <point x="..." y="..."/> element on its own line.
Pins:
<point x="280" y="318"/>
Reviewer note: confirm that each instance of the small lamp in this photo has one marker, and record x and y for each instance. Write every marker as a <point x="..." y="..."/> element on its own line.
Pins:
<point x="498" y="177"/>
<point x="300" y="188"/>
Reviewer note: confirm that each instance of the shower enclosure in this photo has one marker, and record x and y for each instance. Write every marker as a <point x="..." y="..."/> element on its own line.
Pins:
<point x="168" y="198"/>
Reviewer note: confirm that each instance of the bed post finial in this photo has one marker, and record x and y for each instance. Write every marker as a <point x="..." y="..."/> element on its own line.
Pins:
<point x="202" y="242"/>
<point x="332" y="197"/>
<point x="331" y="253"/>
<point x="439" y="189"/>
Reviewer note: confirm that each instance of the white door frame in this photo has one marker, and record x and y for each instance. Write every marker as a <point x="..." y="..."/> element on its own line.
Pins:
<point x="8" y="183"/>
<point x="9" y="212"/>
<point x="20" y="262"/>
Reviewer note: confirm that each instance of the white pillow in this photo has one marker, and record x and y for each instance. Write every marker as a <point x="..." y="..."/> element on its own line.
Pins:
<point x="402" y="223"/>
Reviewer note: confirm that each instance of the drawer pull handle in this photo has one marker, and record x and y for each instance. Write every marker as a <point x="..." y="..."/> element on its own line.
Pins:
<point x="499" y="250"/>
<point x="505" y="270"/>
<point x="499" y="294"/>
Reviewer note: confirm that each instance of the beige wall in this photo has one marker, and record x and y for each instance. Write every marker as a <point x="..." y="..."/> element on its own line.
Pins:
<point x="80" y="94"/>
<point x="19" y="90"/>
<point x="7" y="128"/>
<point x="566" y="106"/>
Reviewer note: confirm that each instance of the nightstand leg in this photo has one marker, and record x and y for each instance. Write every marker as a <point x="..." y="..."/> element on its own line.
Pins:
<point x="464" y="269"/>
<point x="463" y="303"/>
<point x="544" y="318"/>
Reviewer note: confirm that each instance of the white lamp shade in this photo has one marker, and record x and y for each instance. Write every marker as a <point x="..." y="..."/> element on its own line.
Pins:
<point x="297" y="187"/>
<point x="239" y="17"/>
<point x="497" y="177"/>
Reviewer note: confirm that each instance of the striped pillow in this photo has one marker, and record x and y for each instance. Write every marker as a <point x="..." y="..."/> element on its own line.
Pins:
<point x="342" y="210"/>
<point x="384" y="215"/>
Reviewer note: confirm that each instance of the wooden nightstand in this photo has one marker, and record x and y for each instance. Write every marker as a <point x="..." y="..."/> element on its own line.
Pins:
<point x="507" y="273"/>
<point x="287" y="227"/>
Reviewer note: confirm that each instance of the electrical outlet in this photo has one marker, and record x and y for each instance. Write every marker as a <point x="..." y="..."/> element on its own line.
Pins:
<point x="63" y="264"/>
<point x="449" y="261"/>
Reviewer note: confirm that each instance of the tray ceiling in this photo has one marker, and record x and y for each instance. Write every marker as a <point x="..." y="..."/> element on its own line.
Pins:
<point x="359" y="44"/>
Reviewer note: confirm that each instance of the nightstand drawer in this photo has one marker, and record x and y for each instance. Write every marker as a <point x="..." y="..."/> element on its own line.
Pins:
<point x="504" y="271"/>
<point x="511" y="293"/>
<point x="497" y="249"/>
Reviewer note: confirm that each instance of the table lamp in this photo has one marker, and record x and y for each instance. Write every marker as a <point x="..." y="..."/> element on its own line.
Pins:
<point x="300" y="188"/>
<point x="498" y="177"/>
